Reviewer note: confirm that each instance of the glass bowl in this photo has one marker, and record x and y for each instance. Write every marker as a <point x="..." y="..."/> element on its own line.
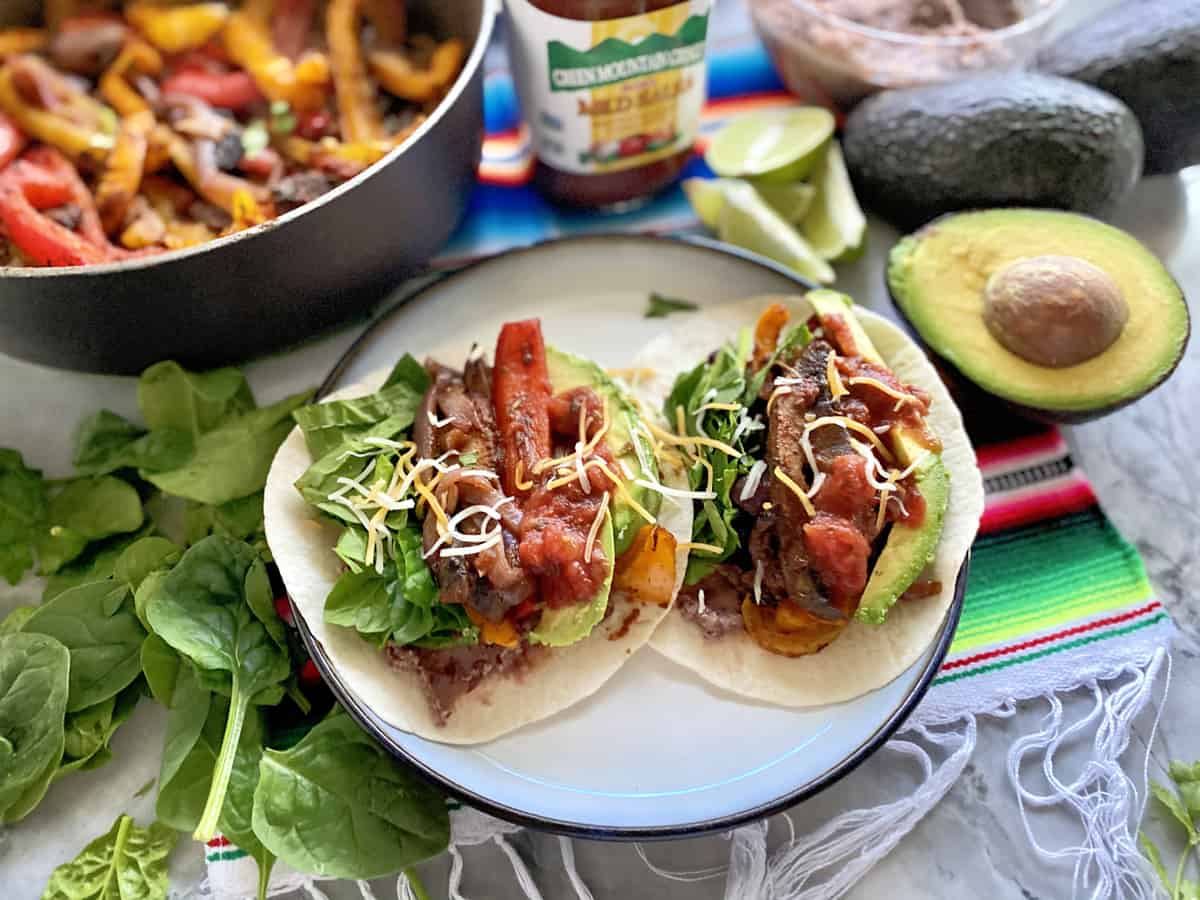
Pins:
<point x="826" y="58"/>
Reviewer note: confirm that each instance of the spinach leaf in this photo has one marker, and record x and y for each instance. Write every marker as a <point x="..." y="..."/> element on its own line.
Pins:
<point x="659" y="307"/>
<point x="321" y="478"/>
<point x="89" y="731"/>
<point x="360" y="600"/>
<point x="201" y="610"/>
<point x="160" y="666"/>
<point x="409" y="371"/>
<point x="143" y="557"/>
<point x="231" y="461"/>
<point x="104" y="640"/>
<point x="237" y="816"/>
<point x="195" y="725"/>
<point x="240" y="519"/>
<point x="327" y="426"/>
<point x="33" y="701"/>
<point x="16" y="619"/>
<point x="87" y="509"/>
<point x="22" y="513"/>
<point x="105" y="442"/>
<point x="96" y="563"/>
<point x="337" y="805"/>
<point x="126" y="863"/>
<point x="169" y="396"/>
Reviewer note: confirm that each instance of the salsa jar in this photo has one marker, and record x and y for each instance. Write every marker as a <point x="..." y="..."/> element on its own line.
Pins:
<point x="612" y="92"/>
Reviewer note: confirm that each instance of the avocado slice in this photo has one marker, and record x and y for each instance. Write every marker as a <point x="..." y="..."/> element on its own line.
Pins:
<point x="909" y="548"/>
<point x="1001" y="139"/>
<point x="939" y="278"/>
<point x="565" y="626"/>
<point x="1146" y="54"/>
<point x="626" y="441"/>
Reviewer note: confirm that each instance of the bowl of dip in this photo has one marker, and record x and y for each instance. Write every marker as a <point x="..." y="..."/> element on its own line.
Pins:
<point x="835" y="52"/>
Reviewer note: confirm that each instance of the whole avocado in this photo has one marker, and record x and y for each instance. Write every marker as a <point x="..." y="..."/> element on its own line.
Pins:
<point x="1000" y="139"/>
<point x="1148" y="55"/>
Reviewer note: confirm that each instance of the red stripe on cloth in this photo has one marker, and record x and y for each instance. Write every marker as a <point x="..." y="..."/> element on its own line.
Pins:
<point x="1036" y="444"/>
<point x="1050" y="638"/>
<point x="219" y="841"/>
<point x="1003" y="514"/>
<point x="747" y="101"/>
<point x="507" y="175"/>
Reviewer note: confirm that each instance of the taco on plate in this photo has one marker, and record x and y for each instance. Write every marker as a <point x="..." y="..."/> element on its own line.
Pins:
<point x="477" y="548"/>
<point x="837" y="496"/>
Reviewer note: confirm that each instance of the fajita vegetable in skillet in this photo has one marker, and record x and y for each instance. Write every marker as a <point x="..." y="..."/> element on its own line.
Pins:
<point x="502" y="541"/>
<point x="839" y="497"/>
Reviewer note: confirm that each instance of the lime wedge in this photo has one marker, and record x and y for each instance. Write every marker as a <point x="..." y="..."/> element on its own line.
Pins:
<point x="707" y="197"/>
<point x="775" y="145"/>
<point x="792" y="201"/>
<point x="836" y="226"/>
<point x="748" y="221"/>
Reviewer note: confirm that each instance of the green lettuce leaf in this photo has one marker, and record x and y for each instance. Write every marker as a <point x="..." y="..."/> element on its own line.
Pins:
<point x="327" y="426"/>
<point x="126" y="862"/>
<point x="170" y="396"/>
<point x="23" y="508"/>
<point x="105" y="442"/>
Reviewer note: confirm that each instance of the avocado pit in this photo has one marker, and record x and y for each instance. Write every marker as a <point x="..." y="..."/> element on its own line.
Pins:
<point x="1054" y="311"/>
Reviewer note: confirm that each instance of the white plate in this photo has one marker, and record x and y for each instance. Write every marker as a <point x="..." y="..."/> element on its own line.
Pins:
<point x="656" y="752"/>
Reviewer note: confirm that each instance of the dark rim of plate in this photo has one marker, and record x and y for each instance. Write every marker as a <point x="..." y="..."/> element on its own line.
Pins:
<point x="369" y="721"/>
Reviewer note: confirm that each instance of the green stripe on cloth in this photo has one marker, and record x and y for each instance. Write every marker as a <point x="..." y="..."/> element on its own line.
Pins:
<point x="226" y="855"/>
<point x="1042" y="576"/>
<point x="1056" y="648"/>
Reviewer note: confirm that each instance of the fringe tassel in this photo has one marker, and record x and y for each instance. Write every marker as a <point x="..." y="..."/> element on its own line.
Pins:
<point x="568" y="856"/>
<point x="1106" y="801"/>
<point x="524" y="878"/>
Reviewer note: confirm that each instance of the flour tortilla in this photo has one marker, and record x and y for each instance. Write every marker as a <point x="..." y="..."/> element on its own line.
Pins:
<point x="864" y="657"/>
<point x="302" y="544"/>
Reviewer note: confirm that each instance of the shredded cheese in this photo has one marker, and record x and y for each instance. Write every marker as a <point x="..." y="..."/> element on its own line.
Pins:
<point x="595" y="529"/>
<point x="674" y="492"/>
<point x="836" y="388"/>
<point x="700" y="600"/>
<point x="758" y="577"/>
<point x="779" y="391"/>
<point x="685" y="441"/>
<point x="753" y="479"/>
<point x="850" y="425"/>
<point x="472" y="549"/>
<point x="436" y="422"/>
<point x="901" y="397"/>
<point x="624" y="492"/>
<point x="797" y="490"/>
<point x="709" y="470"/>
<point x="696" y="545"/>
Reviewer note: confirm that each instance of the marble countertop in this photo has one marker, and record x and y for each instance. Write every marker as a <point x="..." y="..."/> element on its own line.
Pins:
<point x="1140" y="459"/>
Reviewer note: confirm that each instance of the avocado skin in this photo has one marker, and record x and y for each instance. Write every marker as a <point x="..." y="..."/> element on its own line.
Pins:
<point x="1001" y="139"/>
<point x="962" y="383"/>
<point x="1148" y="55"/>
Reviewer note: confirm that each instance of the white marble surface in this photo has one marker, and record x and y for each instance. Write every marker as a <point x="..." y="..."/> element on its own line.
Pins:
<point x="1142" y="461"/>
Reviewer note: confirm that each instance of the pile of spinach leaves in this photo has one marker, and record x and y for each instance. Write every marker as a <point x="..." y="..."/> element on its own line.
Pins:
<point x="159" y="584"/>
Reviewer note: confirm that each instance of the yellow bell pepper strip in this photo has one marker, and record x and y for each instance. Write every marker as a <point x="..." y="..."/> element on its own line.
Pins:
<point x="360" y="119"/>
<point x="197" y="162"/>
<point x="80" y="141"/>
<point x="503" y="633"/>
<point x="248" y="43"/>
<point x="246" y="212"/>
<point x="137" y="56"/>
<point x="146" y="227"/>
<point x="291" y="24"/>
<point x="158" y="150"/>
<point x="333" y="157"/>
<point x="22" y="40"/>
<point x="390" y="18"/>
<point x="176" y="29"/>
<point x="398" y="76"/>
<point x="122" y="177"/>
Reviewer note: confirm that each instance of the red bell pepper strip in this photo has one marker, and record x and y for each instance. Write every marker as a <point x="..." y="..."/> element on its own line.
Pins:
<point x="43" y="189"/>
<point x="40" y="239"/>
<point x="262" y="164"/>
<point x="12" y="141"/>
<point x="90" y="227"/>
<point x="230" y="90"/>
<point x="521" y="396"/>
<point x="291" y="23"/>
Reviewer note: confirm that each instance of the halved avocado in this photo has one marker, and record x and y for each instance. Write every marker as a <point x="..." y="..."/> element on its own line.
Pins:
<point x="626" y="441"/>
<point x="909" y="548"/>
<point x="944" y="276"/>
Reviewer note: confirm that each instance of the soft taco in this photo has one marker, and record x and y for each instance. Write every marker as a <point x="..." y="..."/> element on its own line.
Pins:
<point x="838" y="496"/>
<point x="477" y="548"/>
